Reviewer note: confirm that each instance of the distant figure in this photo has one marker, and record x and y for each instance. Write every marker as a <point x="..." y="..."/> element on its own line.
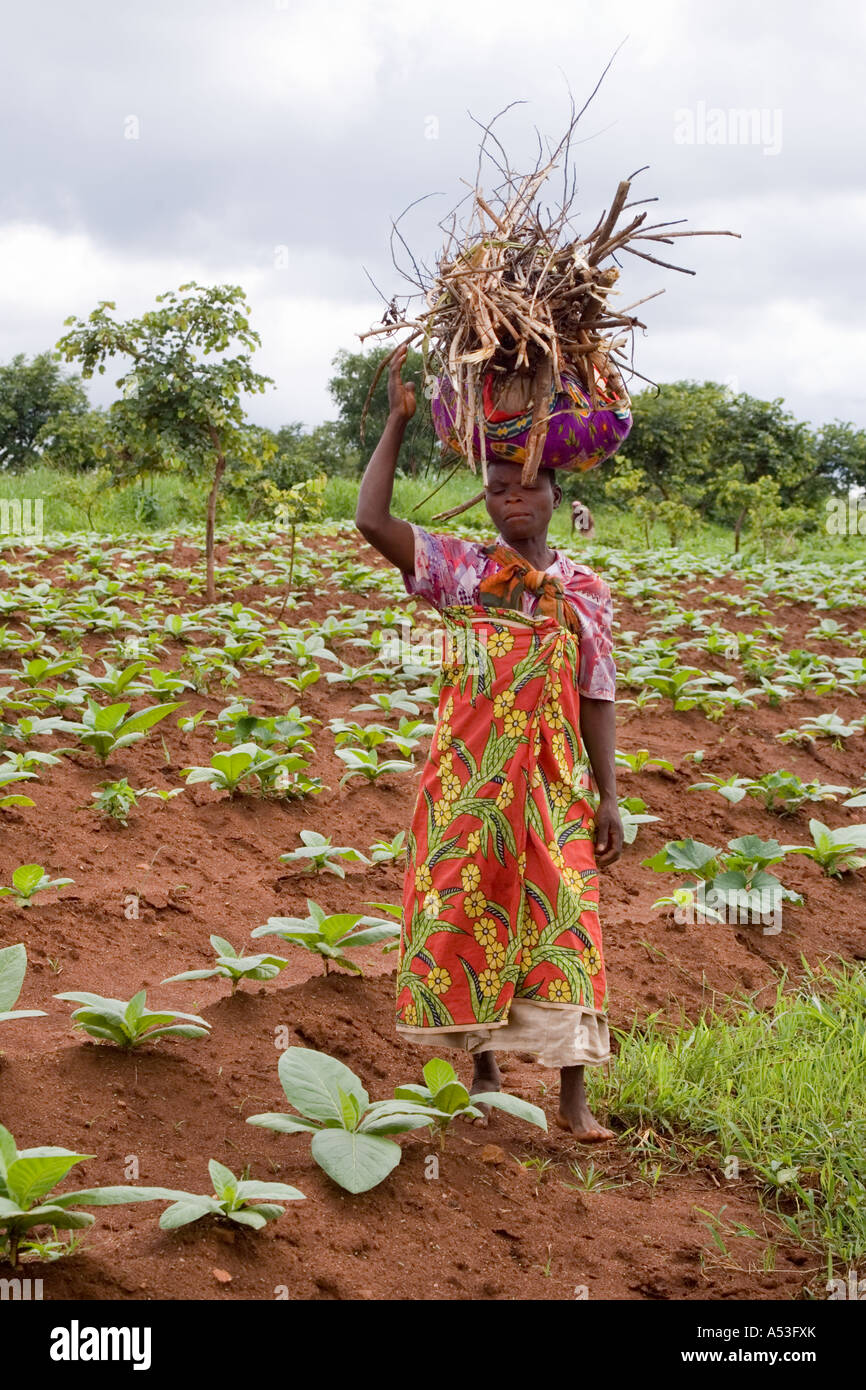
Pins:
<point x="581" y="518"/>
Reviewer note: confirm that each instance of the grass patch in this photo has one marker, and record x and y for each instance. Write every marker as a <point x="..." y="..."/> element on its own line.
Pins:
<point x="782" y="1090"/>
<point x="171" y="502"/>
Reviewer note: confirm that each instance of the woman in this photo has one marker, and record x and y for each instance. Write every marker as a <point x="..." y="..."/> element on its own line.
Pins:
<point x="501" y="945"/>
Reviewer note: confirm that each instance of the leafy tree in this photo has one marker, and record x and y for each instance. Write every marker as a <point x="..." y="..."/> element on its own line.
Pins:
<point x="190" y="364"/>
<point x="32" y="397"/>
<point x="700" y="447"/>
<point x="77" y="441"/>
<point x="841" y="455"/>
<point x="754" y="440"/>
<point x="302" y="502"/>
<point x="673" y="439"/>
<point x="285" y="458"/>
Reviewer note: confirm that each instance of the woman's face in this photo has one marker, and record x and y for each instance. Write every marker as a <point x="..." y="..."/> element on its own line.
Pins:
<point x="520" y="510"/>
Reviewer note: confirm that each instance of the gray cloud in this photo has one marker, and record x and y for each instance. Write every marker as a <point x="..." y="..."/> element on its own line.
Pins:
<point x="306" y="127"/>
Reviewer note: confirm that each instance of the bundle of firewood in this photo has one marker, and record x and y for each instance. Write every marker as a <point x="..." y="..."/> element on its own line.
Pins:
<point x="516" y="292"/>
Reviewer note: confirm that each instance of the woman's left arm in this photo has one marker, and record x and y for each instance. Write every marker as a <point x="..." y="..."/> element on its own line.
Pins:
<point x="598" y="731"/>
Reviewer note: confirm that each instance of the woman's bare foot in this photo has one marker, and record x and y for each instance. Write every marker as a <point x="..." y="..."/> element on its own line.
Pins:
<point x="574" y="1113"/>
<point x="485" y="1077"/>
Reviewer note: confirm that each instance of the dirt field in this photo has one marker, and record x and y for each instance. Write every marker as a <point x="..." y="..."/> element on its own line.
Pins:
<point x="486" y="1227"/>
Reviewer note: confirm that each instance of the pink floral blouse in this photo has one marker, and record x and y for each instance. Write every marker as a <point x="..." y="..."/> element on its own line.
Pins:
<point x="448" y="570"/>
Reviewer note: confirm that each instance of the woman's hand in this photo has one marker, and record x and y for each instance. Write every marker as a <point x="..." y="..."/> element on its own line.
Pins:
<point x="608" y="833"/>
<point x="401" y="394"/>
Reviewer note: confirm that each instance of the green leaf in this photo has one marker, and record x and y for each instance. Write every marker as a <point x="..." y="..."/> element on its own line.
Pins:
<point x="396" y="1117"/>
<point x="58" y="1217"/>
<point x="221" y="1177"/>
<point x="252" y="1191"/>
<point x="223" y="947"/>
<point x="36" y="1171"/>
<point x="13" y="967"/>
<point x="312" y="1082"/>
<point x="8" y="1149"/>
<point x="438" y="1073"/>
<point x="119" y="1196"/>
<point x="356" y="1162"/>
<point x="283" y="1124"/>
<point x="512" y="1105"/>
<point x="452" y="1098"/>
<point x="254" y="1219"/>
<point x="27" y="877"/>
<point x="135" y="1009"/>
<point x="140" y="723"/>
<point x="369" y="936"/>
<point x="183" y="1213"/>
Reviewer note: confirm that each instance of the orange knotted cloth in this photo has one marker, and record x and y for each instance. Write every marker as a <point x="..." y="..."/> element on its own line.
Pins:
<point x="505" y="588"/>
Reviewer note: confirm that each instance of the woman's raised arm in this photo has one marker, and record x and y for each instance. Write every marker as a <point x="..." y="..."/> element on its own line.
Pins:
<point x="392" y="537"/>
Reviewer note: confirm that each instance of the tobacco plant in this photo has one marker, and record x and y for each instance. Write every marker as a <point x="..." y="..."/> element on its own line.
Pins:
<point x="384" y="851"/>
<point x="781" y="791"/>
<point x="248" y="762"/>
<point x="104" y="729"/>
<point x="361" y="762"/>
<point x="128" y="1024"/>
<point x="9" y="776"/>
<point x="349" y="1132"/>
<point x="27" y="1198"/>
<point x="837" y="851"/>
<point x="445" y="1099"/>
<point x="636" y="762"/>
<point x="318" y="854"/>
<point x="331" y="936"/>
<point x="231" y="966"/>
<point x="244" y="1201"/>
<point x="28" y="880"/>
<point x="737" y="877"/>
<point x="116" y="799"/>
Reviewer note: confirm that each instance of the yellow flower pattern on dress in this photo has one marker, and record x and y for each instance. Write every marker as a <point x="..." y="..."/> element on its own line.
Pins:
<point x="488" y="981"/>
<point x="423" y="879"/>
<point x="470" y="877"/>
<point x="496" y="956"/>
<point x="500" y="828"/>
<point x="553" y="715"/>
<point x="503" y="704"/>
<point x="486" y="932"/>
<point x="592" y="960"/>
<point x="432" y="903"/>
<point x="559" y="991"/>
<point x="475" y="904"/>
<point x="500" y="643"/>
<point x="438" y="980"/>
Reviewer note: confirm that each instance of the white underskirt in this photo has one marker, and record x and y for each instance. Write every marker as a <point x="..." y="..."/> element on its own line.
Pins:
<point x="559" y="1035"/>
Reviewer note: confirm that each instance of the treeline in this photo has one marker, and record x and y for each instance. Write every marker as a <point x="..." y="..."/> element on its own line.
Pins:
<point x="696" y="452"/>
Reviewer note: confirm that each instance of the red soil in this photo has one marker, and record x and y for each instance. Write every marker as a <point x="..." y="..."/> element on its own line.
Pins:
<point x="486" y="1227"/>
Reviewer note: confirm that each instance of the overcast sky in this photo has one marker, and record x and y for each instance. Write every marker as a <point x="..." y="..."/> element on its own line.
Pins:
<point x="277" y="138"/>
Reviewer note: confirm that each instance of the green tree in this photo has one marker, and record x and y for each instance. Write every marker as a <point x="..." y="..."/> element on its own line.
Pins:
<point x="190" y="364"/>
<point x="673" y="438"/>
<point x="754" y="440"/>
<point x="33" y="397"/>
<point x="841" y="454"/>
<point x="77" y="441"/>
<point x="702" y="447"/>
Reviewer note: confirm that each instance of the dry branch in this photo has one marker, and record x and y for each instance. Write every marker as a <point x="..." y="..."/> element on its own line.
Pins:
<point x="515" y="292"/>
